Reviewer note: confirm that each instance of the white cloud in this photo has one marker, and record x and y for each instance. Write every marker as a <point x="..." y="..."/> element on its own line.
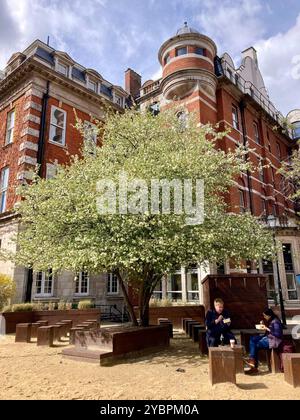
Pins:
<point x="276" y="55"/>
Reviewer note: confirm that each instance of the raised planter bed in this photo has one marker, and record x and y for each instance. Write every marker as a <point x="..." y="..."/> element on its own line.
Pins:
<point x="176" y="313"/>
<point x="77" y="316"/>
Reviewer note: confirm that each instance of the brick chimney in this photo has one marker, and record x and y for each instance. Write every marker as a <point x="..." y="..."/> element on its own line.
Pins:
<point x="133" y="83"/>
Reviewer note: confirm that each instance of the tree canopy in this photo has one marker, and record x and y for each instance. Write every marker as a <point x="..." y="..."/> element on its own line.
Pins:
<point x="62" y="228"/>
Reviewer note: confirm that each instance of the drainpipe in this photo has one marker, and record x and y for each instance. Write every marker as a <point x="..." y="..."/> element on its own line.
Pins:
<point x="40" y="159"/>
<point x="242" y="107"/>
<point x="41" y="144"/>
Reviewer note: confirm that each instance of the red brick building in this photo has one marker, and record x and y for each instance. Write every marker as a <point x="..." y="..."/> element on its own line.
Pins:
<point x="196" y="79"/>
<point x="42" y="87"/>
<point x="41" y="91"/>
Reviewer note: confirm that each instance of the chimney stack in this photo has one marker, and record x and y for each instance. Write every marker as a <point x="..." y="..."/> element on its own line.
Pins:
<point x="133" y="83"/>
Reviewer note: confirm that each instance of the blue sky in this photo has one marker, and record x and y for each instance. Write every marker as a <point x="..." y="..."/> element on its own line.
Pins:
<point x="112" y="35"/>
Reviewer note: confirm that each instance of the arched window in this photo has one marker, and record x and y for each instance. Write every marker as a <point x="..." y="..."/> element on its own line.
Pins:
<point x="296" y="131"/>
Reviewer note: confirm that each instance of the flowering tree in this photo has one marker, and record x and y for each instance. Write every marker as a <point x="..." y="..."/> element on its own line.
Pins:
<point x="291" y="171"/>
<point x="63" y="228"/>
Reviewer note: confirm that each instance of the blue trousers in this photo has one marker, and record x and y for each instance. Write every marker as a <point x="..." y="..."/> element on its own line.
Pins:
<point x="214" y="340"/>
<point x="257" y="343"/>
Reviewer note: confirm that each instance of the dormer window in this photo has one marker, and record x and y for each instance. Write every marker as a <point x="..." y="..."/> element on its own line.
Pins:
<point x="92" y="86"/>
<point x="63" y="69"/>
<point x="119" y="100"/>
<point x="181" y="51"/>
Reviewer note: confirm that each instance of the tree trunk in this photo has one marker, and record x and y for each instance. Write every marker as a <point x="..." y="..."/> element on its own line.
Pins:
<point x="127" y="300"/>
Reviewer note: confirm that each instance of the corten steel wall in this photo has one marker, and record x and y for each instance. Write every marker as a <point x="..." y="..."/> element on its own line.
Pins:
<point x="176" y="313"/>
<point x="245" y="297"/>
<point x="77" y="316"/>
<point x="140" y="339"/>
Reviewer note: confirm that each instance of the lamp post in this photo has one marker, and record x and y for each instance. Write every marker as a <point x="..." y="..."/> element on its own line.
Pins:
<point x="272" y="224"/>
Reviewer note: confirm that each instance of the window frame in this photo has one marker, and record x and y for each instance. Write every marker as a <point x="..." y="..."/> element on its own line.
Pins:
<point x="235" y="117"/>
<point x="242" y="203"/>
<point x="167" y="59"/>
<point x="198" y="49"/>
<point x="61" y="65"/>
<point x="82" y="277"/>
<point x="64" y="128"/>
<point x="110" y="283"/>
<point x="296" y="130"/>
<point x="10" y="130"/>
<point x="178" y="49"/>
<point x="92" y="83"/>
<point x="4" y="183"/>
<point x="257" y="137"/>
<point x="43" y="280"/>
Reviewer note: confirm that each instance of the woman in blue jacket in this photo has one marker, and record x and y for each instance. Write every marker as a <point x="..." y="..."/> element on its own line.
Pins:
<point x="271" y="340"/>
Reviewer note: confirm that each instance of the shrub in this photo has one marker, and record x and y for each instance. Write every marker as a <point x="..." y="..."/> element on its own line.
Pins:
<point x="61" y="305"/>
<point x="38" y="306"/>
<point x="69" y="306"/>
<point x="7" y="289"/>
<point x="51" y="306"/>
<point x="85" y="304"/>
<point x="7" y="309"/>
<point x="23" y="307"/>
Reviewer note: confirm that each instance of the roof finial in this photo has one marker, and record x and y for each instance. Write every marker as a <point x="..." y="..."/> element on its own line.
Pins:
<point x="185" y="24"/>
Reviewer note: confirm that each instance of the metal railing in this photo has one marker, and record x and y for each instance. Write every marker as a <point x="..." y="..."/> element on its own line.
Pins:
<point x="248" y="88"/>
<point x="113" y="313"/>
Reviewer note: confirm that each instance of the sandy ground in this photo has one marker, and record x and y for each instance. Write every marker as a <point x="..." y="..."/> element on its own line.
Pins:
<point x="28" y="372"/>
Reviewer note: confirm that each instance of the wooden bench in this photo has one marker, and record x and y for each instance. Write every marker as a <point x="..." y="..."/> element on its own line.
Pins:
<point x="291" y="365"/>
<point x="23" y="333"/>
<point x="169" y="324"/>
<point x="183" y="322"/>
<point x="42" y="323"/>
<point x="191" y="326"/>
<point x="195" y="331"/>
<point x="57" y="332"/>
<point x="239" y="352"/>
<point x="34" y="328"/>
<point x="202" y="343"/>
<point x="188" y="324"/>
<point x="45" y="336"/>
<point x="222" y="365"/>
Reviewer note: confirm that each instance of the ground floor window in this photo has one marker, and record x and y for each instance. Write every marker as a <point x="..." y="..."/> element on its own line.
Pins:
<point x="175" y="286"/>
<point x="112" y="284"/>
<point x="44" y="283"/>
<point x="290" y="271"/>
<point x="82" y="283"/>
<point x="268" y="270"/>
<point x="192" y="284"/>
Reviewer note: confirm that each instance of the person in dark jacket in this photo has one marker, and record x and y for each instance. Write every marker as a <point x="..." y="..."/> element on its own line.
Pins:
<point x="218" y="324"/>
<point x="271" y="340"/>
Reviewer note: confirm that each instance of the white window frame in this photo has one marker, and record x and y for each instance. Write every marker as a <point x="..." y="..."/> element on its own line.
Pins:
<point x="10" y="127"/>
<point x="43" y="281"/>
<point x="235" y="118"/>
<point x="93" y="86"/>
<point x="109" y="288"/>
<point x="4" y="182"/>
<point x="60" y="67"/>
<point x="80" y="278"/>
<point x="52" y="124"/>
<point x="119" y="100"/>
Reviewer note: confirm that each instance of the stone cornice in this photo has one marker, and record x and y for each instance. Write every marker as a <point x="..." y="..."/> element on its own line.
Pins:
<point x="31" y="65"/>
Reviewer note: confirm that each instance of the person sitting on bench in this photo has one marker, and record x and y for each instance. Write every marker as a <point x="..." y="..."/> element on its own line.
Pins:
<point x="218" y="324"/>
<point x="271" y="340"/>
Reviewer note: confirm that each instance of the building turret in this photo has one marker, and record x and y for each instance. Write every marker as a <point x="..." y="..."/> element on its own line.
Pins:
<point x="187" y="60"/>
